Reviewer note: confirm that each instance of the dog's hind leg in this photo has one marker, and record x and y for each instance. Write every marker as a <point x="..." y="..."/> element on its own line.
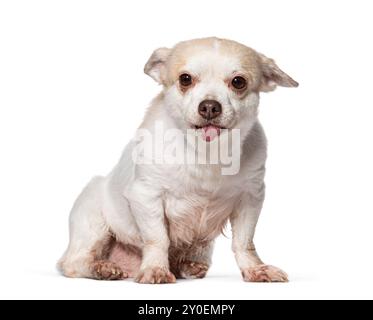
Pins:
<point x="90" y="239"/>
<point x="191" y="263"/>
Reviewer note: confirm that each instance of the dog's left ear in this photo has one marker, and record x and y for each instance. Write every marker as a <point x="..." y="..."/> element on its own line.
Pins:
<point x="155" y="67"/>
<point x="273" y="76"/>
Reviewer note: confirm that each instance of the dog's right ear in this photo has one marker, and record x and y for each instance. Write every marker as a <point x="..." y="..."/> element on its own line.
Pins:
<point x="155" y="67"/>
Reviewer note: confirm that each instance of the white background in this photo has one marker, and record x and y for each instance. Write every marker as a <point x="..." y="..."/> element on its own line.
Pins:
<point x="72" y="93"/>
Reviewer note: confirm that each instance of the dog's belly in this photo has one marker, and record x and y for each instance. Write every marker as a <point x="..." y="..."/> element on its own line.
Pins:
<point x="196" y="219"/>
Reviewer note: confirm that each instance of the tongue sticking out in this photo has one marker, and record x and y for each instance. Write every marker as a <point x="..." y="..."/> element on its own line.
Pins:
<point x="210" y="132"/>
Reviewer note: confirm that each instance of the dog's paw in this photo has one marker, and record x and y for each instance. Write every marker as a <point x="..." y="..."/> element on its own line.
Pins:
<point x="106" y="270"/>
<point x="264" y="273"/>
<point x="193" y="270"/>
<point x="155" y="275"/>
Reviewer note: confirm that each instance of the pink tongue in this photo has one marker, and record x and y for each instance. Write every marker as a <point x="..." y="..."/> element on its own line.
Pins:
<point x="210" y="132"/>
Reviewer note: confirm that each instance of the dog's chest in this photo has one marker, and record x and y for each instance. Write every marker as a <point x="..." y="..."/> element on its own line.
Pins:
<point x="197" y="209"/>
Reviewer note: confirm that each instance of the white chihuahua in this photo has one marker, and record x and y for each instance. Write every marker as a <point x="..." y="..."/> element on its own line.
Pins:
<point x="157" y="221"/>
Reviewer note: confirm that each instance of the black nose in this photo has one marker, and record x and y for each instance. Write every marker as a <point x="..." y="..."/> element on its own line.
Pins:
<point x="209" y="109"/>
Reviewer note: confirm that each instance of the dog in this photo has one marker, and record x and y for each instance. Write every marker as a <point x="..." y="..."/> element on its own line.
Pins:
<point x="156" y="222"/>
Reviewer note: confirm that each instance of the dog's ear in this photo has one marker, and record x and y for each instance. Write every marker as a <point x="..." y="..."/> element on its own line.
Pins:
<point x="273" y="76"/>
<point x="155" y="67"/>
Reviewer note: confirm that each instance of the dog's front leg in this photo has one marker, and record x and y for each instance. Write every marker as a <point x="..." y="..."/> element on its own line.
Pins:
<point x="243" y="221"/>
<point x="147" y="209"/>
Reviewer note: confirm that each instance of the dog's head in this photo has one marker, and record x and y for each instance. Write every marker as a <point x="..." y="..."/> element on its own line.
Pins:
<point x="212" y="84"/>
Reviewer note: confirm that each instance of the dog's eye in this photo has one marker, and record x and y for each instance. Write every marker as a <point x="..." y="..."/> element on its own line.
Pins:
<point x="185" y="80"/>
<point x="239" y="83"/>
